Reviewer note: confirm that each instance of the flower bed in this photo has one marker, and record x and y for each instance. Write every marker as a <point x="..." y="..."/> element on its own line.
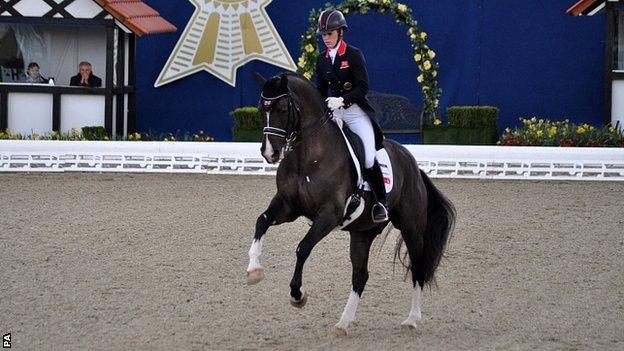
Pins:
<point x="543" y="132"/>
<point x="99" y="133"/>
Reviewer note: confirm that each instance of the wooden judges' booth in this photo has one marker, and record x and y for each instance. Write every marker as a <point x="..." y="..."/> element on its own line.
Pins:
<point x="58" y="35"/>
<point x="614" y="52"/>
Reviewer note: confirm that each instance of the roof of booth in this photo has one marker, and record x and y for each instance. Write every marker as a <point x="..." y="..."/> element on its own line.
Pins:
<point x="586" y="7"/>
<point x="137" y="16"/>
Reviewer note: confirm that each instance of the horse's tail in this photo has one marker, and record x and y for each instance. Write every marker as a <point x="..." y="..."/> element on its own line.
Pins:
<point x="441" y="217"/>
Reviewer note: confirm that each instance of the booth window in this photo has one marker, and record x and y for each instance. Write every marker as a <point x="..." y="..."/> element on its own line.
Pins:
<point x="619" y="42"/>
<point x="56" y="49"/>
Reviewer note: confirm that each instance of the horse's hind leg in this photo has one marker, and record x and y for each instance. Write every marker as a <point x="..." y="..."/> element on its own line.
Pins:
<point x="359" y="251"/>
<point x="277" y="212"/>
<point x="412" y="231"/>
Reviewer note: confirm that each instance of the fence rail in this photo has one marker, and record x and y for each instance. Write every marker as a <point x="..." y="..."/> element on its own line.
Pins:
<point x="438" y="161"/>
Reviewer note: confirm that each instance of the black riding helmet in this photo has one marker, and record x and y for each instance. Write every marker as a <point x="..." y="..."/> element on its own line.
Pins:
<point x="330" y="20"/>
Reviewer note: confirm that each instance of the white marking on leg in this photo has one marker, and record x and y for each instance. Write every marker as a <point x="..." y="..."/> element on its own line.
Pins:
<point x="414" y="315"/>
<point x="254" y="254"/>
<point x="348" y="315"/>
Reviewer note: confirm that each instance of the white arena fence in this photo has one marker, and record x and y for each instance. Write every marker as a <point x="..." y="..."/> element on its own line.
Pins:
<point x="438" y="161"/>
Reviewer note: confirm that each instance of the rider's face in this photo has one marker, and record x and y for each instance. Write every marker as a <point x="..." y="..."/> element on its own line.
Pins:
<point x="331" y="39"/>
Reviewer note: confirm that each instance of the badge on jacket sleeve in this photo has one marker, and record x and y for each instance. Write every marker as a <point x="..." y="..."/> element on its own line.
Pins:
<point x="344" y="64"/>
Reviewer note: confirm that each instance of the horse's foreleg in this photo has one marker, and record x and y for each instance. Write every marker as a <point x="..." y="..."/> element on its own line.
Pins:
<point x="276" y="213"/>
<point x="359" y="251"/>
<point x="322" y="226"/>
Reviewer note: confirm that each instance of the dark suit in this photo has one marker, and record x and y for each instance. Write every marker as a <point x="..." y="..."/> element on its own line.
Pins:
<point x="94" y="81"/>
<point x="347" y="78"/>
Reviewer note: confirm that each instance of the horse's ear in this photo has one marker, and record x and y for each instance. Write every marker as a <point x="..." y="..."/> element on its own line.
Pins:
<point x="259" y="78"/>
<point x="283" y="81"/>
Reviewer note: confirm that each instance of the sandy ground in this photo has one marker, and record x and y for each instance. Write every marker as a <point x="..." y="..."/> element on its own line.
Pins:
<point x="113" y="261"/>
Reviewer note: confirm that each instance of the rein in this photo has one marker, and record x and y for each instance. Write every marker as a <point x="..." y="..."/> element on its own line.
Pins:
<point x="294" y="133"/>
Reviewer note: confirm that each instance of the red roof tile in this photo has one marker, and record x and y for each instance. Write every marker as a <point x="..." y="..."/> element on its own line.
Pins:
<point x="578" y="8"/>
<point x="137" y="16"/>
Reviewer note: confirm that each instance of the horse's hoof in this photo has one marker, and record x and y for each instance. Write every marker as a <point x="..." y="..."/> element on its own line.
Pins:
<point x="255" y="276"/>
<point x="300" y="303"/>
<point x="341" y="331"/>
<point x="409" y="323"/>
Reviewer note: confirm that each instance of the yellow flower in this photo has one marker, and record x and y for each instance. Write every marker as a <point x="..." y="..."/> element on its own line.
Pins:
<point x="372" y="1"/>
<point x="423" y="35"/>
<point x="611" y="129"/>
<point x="427" y="65"/>
<point x="302" y="62"/>
<point x="401" y="7"/>
<point x="436" y="103"/>
<point x="411" y="31"/>
<point x="308" y="75"/>
<point x="434" y="74"/>
<point x="106" y="138"/>
<point x="420" y="78"/>
<point x="309" y="48"/>
<point x="539" y="133"/>
<point x="386" y="2"/>
<point x="346" y="10"/>
<point x="437" y="121"/>
<point x="417" y="57"/>
<point x="552" y="132"/>
<point x="413" y="36"/>
<point x="431" y="54"/>
<point x="580" y="130"/>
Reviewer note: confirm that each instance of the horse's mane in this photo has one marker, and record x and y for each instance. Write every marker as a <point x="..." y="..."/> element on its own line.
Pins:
<point x="272" y="84"/>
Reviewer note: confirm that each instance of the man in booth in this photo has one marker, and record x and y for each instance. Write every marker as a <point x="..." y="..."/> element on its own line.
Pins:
<point x="85" y="77"/>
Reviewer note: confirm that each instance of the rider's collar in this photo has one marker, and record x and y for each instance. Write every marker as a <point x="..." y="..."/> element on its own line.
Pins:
<point x="342" y="48"/>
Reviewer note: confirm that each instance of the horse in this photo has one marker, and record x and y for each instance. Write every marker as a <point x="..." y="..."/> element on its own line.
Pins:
<point x="315" y="178"/>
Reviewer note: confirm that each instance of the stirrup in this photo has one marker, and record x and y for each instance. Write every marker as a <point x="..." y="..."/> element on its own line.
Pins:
<point x="379" y="213"/>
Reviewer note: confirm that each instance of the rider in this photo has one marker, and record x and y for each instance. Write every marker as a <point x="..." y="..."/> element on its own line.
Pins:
<point x="341" y="69"/>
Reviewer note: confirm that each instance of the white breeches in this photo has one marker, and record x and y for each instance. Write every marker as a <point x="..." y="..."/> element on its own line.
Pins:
<point x="360" y="124"/>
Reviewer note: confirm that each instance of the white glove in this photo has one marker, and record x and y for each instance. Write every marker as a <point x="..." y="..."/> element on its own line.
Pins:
<point x="334" y="103"/>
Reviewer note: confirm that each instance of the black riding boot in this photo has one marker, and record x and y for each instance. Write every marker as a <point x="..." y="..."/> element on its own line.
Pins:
<point x="375" y="179"/>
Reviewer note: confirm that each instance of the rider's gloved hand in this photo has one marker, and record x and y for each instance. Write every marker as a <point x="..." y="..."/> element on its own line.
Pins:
<point x="334" y="103"/>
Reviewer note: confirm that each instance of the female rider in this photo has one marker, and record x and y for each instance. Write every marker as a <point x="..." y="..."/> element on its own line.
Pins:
<point x="342" y="79"/>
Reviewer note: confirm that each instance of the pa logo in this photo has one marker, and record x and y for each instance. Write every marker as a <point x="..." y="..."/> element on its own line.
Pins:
<point x="6" y="341"/>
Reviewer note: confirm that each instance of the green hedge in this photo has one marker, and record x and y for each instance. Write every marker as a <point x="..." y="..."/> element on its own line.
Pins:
<point x="247" y="124"/>
<point x="94" y="133"/>
<point x="247" y="117"/>
<point x="452" y="135"/>
<point x="472" y="116"/>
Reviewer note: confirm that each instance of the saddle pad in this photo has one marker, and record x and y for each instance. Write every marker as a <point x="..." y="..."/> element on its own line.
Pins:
<point x="386" y="169"/>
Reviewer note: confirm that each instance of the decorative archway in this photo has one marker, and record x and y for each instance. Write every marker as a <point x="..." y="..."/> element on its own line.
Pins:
<point x="423" y="55"/>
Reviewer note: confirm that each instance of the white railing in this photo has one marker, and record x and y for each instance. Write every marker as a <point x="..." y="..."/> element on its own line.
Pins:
<point x="441" y="161"/>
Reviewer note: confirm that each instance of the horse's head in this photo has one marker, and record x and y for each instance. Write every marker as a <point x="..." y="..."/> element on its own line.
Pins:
<point x="280" y="117"/>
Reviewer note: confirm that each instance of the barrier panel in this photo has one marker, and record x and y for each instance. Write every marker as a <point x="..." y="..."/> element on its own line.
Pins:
<point x="438" y="161"/>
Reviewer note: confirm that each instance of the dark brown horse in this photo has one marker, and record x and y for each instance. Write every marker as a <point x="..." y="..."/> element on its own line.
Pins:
<point x="316" y="177"/>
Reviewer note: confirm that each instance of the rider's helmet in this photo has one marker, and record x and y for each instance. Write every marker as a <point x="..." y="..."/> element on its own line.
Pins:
<point x="330" y="20"/>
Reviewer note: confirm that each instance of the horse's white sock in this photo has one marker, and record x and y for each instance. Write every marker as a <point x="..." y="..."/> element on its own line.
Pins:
<point x="348" y="315"/>
<point x="254" y="254"/>
<point x="414" y="315"/>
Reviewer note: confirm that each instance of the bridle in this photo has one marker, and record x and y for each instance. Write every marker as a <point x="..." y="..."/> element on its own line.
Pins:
<point x="294" y="132"/>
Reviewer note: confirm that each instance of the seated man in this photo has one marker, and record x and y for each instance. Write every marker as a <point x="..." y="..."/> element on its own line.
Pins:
<point x="85" y="78"/>
<point x="33" y="75"/>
